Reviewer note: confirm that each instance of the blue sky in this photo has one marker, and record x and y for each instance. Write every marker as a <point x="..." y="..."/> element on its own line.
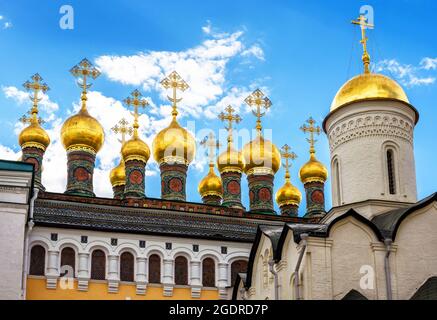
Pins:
<point x="298" y="52"/>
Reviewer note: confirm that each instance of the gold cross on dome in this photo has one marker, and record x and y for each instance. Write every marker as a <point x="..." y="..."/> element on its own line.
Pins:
<point x="83" y="71"/>
<point x="122" y="128"/>
<point x="230" y="117"/>
<point x="287" y="156"/>
<point x="362" y="22"/>
<point x="175" y="82"/>
<point x="311" y="129"/>
<point x="258" y="100"/>
<point x="32" y="119"/>
<point x="136" y="102"/>
<point x="212" y="145"/>
<point x="35" y="86"/>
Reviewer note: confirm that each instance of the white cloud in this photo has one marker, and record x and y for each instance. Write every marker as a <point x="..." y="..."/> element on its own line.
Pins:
<point x="208" y="28"/>
<point x="7" y="153"/>
<point x="22" y="97"/>
<point x="7" y="25"/>
<point x="255" y="51"/>
<point x="429" y="63"/>
<point x="407" y="74"/>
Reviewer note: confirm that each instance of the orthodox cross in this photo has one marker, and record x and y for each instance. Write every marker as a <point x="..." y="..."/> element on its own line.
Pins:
<point x="230" y="117"/>
<point x="362" y="22"/>
<point x="212" y="145"/>
<point x="136" y="102"/>
<point x="122" y="128"/>
<point x="175" y="82"/>
<point x="259" y="101"/>
<point x="311" y="129"/>
<point x="83" y="71"/>
<point x="287" y="155"/>
<point x="34" y="86"/>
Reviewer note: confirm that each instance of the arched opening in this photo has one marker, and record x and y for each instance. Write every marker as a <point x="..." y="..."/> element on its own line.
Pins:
<point x="181" y="271"/>
<point x="208" y="272"/>
<point x="336" y="182"/>
<point x="127" y="267"/>
<point x="37" y="261"/>
<point x="354" y="295"/>
<point x="238" y="266"/>
<point x="98" y="265"/>
<point x="428" y="291"/>
<point x="154" y="269"/>
<point x="68" y="262"/>
<point x="391" y="172"/>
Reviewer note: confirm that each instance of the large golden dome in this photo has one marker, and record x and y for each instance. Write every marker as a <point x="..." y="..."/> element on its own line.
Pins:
<point x="313" y="171"/>
<point x="82" y="131"/>
<point x="135" y="149"/>
<point x="368" y="86"/>
<point x="288" y="194"/>
<point x="34" y="136"/>
<point x="174" y="143"/>
<point x="261" y="153"/>
<point x="230" y="159"/>
<point x="211" y="185"/>
<point x="117" y="176"/>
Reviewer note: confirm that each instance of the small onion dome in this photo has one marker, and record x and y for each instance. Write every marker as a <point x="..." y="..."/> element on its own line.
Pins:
<point x="230" y="160"/>
<point x="174" y="144"/>
<point x="368" y="86"/>
<point x="82" y="131"/>
<point x="261" y="153"/>
<point x="313" y="171"/>
<point x="288" y="194"/>
<point x="135" y="149"/>
<point x="211" y="185"/>
<point x="34" y="136"/>
<point x="117" y="176"/>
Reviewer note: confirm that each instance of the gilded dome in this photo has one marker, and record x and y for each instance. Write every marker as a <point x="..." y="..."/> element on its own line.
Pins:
<point x="117" y="176"/>
<point x="368" y="86"/>
<point x="82" y="131"/>
<point x="288" y="194"/>
<point x="261" y="153"/>
<point x="230" y="159"/>
<point x="135" y="149"/>
<point x="34" y="136"/>
<point x="211" y="185"/>
<point x="313" y="171"/>
<point x="175" y="143"/>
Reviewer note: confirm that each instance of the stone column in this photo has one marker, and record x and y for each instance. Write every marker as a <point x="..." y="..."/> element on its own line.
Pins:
<point x="35" y="155"/>
<point x="113" y="274"/>
<point x="52" y="269"/>
<point x="135" y="179"/>
<point x="315" y="198"/>
<point x="80" y="165"/>
<point x="289" y="210"/>
<point x="222" y="280"/>
<point x="173" y="181"/>
<point x="195" y="281"/>
<point x="231" y="189"/>
<point x="261" y="192"/>
<point x="83" y="274"/>
<point x="141" y="276"/>
<point x="168" y="279"/>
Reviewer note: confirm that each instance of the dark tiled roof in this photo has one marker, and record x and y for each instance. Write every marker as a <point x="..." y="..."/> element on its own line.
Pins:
<point x="273" y="233"/>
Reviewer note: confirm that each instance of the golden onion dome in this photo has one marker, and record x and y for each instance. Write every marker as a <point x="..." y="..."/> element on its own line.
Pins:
<point x="261" y="153"/>
<point x="368" y="86"/>
<point x="313" y="171"/>
<point x="174" y="143"/>
<point x="135" y="149"/>
<point x="82" y="131"/>
<point x="34" y="136"/>
<point x="117" y="176"/>
<point x="211" y="185"/>
<point x="288" y="194"/>
<point x="230" y="160"/>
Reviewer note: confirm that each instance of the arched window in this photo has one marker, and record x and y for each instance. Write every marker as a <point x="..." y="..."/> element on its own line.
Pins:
<point x="37" y="261"/>
<point x="154" y="269"/>
<point x="127" y="267"/>
<point x="181" y="271"/>
<point x="68" y="258"/>
<point x="336" y="176"/>
<point x="98" y="265"/>
<point x="237" y="267"/>
<point x="208" y="272"/>
<point x="391" y="172"/>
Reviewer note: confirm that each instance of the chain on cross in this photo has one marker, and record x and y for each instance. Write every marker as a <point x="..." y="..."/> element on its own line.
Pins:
<point x="259" y="101"/>
<point x="83" y="71"/>
<point x="136" y="102"/>
<point x="35" y="86"/>
<point x="122" y="128"/>
<point x="175" y="82"/>
<point x="212" y="145"/>
<point x="288" y="156"/>
<point x="311" y="129"/>
<point x="362" y="22"/>
<point x="230" y="117"/>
